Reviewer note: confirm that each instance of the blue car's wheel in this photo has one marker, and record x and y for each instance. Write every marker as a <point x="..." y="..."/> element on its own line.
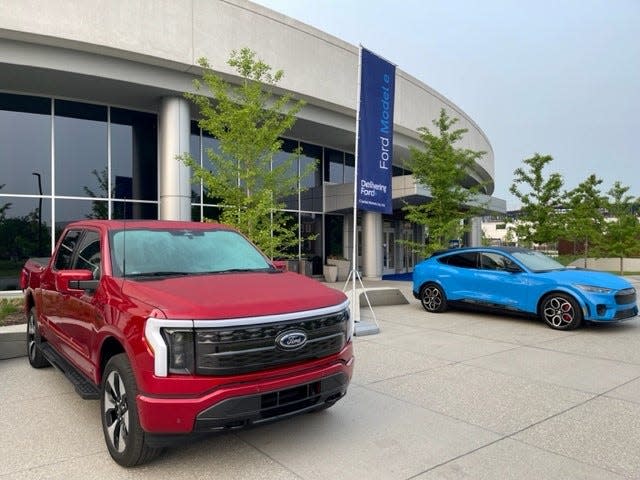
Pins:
<point x="561" y="312"/>
<point x="433" y="298"/>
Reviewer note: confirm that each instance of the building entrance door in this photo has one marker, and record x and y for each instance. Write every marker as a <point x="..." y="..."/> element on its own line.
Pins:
<point x="389" y="251"/>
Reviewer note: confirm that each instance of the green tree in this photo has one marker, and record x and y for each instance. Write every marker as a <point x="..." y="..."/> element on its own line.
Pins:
<point x="5" y="207"/>
<point x="245" y="175"/>
<point x="622" y="230"/>
<point x="539" y="220"/>
<point x="443" y="168"/>
<point x="99" y="209"/>
<point x="584" y="219"/>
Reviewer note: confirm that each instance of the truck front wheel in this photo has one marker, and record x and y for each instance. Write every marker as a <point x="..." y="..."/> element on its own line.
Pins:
<point x="36" y="358"/>
<point x="120" y="422"/>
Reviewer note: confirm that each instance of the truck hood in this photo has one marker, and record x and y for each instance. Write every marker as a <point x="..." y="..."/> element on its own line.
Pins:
<point x="232" y="295"/>
<point x="587" y="277"/>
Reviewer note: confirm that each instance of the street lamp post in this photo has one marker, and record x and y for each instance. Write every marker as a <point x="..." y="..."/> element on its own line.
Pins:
<point x="39" y="213"/>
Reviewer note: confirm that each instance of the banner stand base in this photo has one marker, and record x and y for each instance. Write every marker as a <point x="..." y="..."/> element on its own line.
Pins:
<point x="366" y="328"/>
<point x="362" y="327"/>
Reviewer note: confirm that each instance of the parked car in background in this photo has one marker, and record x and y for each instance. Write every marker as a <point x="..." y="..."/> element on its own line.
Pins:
<point x="522" y="281"/>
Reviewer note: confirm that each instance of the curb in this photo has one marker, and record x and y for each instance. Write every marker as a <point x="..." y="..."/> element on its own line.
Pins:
<point x="13" y="341"/>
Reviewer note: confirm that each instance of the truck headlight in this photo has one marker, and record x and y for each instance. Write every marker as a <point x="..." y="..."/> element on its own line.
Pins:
<point x="180" y="350"/>
<point x="350" y="323"/>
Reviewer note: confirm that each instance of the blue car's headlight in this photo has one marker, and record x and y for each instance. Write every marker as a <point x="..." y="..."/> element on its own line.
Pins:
<point x="593" y="288"/>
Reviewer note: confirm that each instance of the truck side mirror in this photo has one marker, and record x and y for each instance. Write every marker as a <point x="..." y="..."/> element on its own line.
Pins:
<point x="70" y="281"/>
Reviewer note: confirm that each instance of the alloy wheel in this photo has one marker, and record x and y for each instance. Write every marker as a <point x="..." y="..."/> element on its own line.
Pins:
<point x="558" y="312"/>
<point x="432" y="298"/>
<point x="116" y="411"/>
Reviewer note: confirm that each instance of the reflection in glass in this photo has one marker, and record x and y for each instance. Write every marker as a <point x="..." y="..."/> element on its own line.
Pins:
<point x="68" y="211"/>
<point x="349" y="167"/>
<point x="194" y="151"/>
<point x="293" y="225"/>
<point x="25" y="143"/>
<point x="311" y="196"/>
<point x="80" y="149"/>
<point x="311" y="240"/>
<point x="283" y="156"/>
<point x="133" y="155"/>
<point x="333" y="166"/>
<point x="25" y="231"/>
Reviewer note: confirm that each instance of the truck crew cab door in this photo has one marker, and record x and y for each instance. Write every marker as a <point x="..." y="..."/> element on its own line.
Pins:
<point x="78" y="314"/>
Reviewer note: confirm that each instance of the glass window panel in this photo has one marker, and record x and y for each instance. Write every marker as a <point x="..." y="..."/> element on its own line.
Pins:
<point x="311" y="154"/>
<point x="311" y="240"/>
<point x="25" y="144"/>
<point x="68" y="211"/>
<point x="194" y="151"/>
<point x="211" y="213"/>
<point x="288" y="146"/>
<point x="349" y="167"/>
<point x="209" y="144"/>
<point x="81" y="149"/>
<point x="134" y="156"/>
<point x="134" y="210"/>
<point x="291" y="222"/>
<point x="334" y="228"/>
<point x="25" y="231"/>
<point x="334" y="166"/>
<point x="311" y="197"/>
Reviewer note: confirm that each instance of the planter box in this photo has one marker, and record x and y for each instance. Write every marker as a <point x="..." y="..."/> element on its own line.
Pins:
<point x="330" y="273"/>
<point x="344" y="266"/>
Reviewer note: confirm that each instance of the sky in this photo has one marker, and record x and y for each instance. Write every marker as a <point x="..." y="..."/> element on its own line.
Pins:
<point x="555" y="77"/>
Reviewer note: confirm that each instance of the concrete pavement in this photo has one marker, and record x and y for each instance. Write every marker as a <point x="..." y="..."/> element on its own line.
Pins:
<point x="451" y="396"/>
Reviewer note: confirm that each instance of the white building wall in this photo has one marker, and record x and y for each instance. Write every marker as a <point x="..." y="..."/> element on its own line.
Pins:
<point x="172" y="34"/>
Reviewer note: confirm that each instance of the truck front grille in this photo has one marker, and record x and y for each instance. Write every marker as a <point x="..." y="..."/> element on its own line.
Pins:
<point x="248" y="348"/>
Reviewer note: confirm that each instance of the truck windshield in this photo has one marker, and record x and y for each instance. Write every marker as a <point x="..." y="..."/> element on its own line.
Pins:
<point x="155" y="253"/>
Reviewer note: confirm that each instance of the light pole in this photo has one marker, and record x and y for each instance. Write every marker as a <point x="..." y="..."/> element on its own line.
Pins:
<point x="39" y="212"/>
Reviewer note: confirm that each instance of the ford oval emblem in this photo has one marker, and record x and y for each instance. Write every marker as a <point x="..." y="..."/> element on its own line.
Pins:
<point x="291" y="339"/>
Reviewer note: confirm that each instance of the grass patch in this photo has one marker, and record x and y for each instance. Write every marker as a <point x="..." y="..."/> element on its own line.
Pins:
<point x="10" y="310"/>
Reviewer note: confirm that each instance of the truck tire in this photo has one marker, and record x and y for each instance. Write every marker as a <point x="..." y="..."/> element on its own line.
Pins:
<point x="126" y="441"/>
<point x="34" y="353"/>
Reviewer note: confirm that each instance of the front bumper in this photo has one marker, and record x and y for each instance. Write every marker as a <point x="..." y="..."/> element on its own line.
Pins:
<point x="606" y="313"/>
<point x="260" y="408"/>
<point x="243" y="404"/>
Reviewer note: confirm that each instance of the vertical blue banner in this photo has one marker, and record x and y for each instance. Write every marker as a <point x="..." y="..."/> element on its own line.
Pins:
<point x="375" y="133"/>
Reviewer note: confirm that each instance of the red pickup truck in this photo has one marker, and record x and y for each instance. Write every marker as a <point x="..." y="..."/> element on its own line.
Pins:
<point x="181" y="328"/>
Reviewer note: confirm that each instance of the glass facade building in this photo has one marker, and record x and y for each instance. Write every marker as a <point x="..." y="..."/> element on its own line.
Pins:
<point x="93" y="115"/>
<point x="63" y="160"/>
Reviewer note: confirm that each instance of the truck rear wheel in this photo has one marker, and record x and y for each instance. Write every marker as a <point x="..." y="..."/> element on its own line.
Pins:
<point x="120" y="422"/>
<point x="34" y="353"/>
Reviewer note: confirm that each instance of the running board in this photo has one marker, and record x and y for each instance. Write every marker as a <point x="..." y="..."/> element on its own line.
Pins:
<point x="84" y="387"/>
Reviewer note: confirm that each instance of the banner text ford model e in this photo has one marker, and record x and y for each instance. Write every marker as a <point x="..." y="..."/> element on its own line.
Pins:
<point x="182" y="327"/>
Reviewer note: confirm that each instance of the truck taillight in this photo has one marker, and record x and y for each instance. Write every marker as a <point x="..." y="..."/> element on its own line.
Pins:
<point x="24" y="279"/>
<point x="180" y="350"/>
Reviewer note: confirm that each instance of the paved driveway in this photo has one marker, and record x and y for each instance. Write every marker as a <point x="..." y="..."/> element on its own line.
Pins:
<point x="451" y="396"/>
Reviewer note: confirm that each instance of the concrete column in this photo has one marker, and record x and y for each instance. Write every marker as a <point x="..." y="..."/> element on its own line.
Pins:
<point x="372" y="245"/>
<point x="475" y="232"/>
<point x="174" y="184"/>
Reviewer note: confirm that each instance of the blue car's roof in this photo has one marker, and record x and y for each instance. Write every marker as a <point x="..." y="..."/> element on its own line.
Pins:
<point x="475" y="249"/>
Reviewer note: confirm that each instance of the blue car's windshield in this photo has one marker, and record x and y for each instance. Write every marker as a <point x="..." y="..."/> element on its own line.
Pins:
<point x="149" y="252"/>
<point x="537" y="261"/>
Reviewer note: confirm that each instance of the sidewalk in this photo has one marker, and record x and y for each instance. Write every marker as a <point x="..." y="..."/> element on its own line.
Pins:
<point x="456" y="395"/>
